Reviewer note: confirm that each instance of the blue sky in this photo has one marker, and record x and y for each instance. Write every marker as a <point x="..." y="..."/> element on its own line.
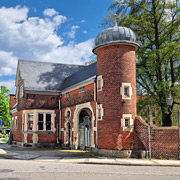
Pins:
<point x="61" y="31"/>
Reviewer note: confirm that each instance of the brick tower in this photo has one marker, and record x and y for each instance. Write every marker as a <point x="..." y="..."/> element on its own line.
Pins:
<point x="116" y="87"/>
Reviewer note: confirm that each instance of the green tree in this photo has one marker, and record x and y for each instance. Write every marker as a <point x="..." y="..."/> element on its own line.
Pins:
<point x="4" y="106"/>
<point x="156" y="24"/>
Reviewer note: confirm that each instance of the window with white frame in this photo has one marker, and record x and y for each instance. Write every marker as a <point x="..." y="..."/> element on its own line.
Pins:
<point x="21" y="91"/>
<point x="126" y="90"/>
<point x="12" y="123"/>
<point x="30" y="122"/>
<point x="81" y="89"/>
<point x="67" y="95"/>
<point x="39" y="120"/>
<point x="127" y="122"/>
<point x="99" y="83"/>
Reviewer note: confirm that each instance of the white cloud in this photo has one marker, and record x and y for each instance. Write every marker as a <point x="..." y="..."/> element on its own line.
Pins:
<point x="83" y="21"/>
<point x="8" y="63"/>
<point x="84" y="32"/>
<point x="72" y="53"/>
<point x="34" y="38"/>
<point x="72" y="33"/>
<point x="50" y="12"/>
<point x="10" y="84"/>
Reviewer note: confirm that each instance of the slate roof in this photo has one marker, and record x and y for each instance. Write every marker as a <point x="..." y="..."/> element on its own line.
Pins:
<point x="80" y="76"/>
<point x="43" y="76"/>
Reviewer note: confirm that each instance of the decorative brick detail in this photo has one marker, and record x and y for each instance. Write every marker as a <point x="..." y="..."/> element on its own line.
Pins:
<point x="78" y="98"/>
<point x="35" y="101"/>
<point x="164" y="140"/>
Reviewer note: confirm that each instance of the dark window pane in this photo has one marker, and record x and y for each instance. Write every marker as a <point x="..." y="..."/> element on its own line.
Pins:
<point x="126" y="122"/>
<point x="48" y="121"/>
<point x="40" y="122"/>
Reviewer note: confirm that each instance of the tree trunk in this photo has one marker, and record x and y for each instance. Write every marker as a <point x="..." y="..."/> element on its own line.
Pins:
<point x="166" y="119"/>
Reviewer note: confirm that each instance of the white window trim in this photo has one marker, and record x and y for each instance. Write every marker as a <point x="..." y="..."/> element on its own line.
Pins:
<point x="99" y="83"/>
<point x="35" y="120"/>
<point x="16" y="123"/>
<point x="125" y="85"/>
<point x="127" y="116"/>
<point x="12" y="123"/>
<point x="65" y="114"/>
<point x="67" y="94"/>
<point x="99" y="107"/>
<point x="82" y="89"/>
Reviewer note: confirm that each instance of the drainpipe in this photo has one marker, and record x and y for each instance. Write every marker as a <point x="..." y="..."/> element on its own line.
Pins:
<point x="95" y="99"/>
<point x="59" y="139"/>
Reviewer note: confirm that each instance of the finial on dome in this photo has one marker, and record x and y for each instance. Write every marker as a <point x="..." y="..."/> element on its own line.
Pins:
<point x="115" y="17"/>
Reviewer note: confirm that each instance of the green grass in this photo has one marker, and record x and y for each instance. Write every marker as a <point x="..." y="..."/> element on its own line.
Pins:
<point x="5" y="140"/>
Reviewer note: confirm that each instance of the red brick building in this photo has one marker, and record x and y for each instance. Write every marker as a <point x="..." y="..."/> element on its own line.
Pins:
<point x="82" y="107"/>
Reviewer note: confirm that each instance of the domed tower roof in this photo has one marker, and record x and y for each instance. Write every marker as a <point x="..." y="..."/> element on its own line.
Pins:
<point x="115" y="35"/>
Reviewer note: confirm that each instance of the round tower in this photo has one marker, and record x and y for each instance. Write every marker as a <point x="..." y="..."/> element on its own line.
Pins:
<point x="116" y="87"/>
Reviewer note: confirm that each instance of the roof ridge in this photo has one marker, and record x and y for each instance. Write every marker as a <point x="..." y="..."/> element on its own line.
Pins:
<point x="19" y="60"/>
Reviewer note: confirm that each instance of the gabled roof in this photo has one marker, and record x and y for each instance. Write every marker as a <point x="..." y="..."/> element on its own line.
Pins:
<point x="80" y="76"/>
<point x="43" y="76"/>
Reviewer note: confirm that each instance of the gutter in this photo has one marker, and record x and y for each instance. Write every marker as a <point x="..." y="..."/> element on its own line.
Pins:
<point x="95" y="99"/>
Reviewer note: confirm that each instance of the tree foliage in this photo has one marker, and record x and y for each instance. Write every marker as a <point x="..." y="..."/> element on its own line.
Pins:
<point x="156" y="24"/>
<point x="4" y="106"/>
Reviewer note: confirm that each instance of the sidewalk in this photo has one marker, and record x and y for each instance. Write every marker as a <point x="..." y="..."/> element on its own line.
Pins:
<point x="74" y="156"/>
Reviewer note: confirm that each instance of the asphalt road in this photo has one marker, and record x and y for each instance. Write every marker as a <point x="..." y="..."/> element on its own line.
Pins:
<point x="23" y="169"/>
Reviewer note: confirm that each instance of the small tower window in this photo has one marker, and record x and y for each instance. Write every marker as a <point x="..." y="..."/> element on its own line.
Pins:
<point x="127" y="122"/>
<point x="99" y="83"/>
<point x="99" y="113"/>
<point x="126" y="91"/>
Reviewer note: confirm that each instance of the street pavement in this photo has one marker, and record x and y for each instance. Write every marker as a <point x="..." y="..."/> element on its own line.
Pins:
<point x="74" y="157"/>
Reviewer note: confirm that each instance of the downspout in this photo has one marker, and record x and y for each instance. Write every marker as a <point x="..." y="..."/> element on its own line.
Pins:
<point x="95" y="99"/>
<point x="59" y="138"/>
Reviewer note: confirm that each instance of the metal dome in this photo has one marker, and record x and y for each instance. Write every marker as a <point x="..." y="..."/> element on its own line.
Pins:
<point x="115" y="35"/>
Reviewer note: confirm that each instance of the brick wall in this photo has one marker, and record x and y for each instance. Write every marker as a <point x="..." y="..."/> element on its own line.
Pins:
<point x="17" y="133"/>
<point x="79" y="98"/>
<point x="164" y="140"/>
<point x="12" y="101"/>
<point x="47" y="138"/>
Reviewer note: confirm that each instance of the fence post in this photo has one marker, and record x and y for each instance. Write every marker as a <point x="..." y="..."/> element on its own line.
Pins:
<point x="179" y="132"/>
<point x="149" y="133"/>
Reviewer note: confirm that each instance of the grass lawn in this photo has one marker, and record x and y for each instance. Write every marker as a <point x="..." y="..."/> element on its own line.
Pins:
<point x="5" y="139"/>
